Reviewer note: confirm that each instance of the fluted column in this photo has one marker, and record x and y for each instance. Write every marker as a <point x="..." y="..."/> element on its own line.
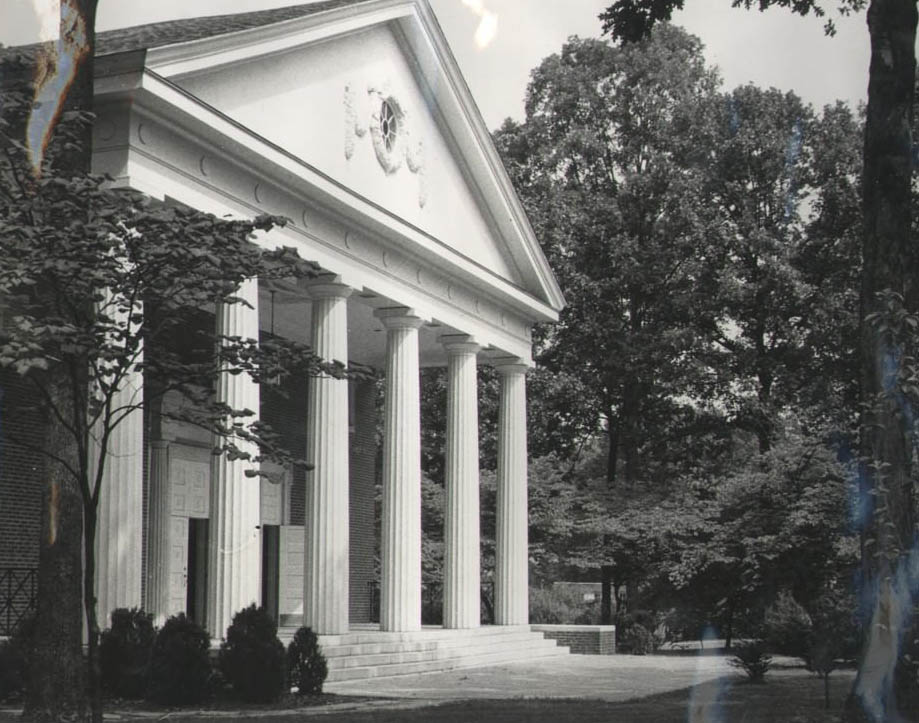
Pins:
<point x="234" y="555"/>
<point x="461" y="534"/>
<point x="326" y="566"/>
<point x="400" y="594"/>
<point x="120" y="513"/>
<point x="158" y="544"/>
<point x="511" y="539"/>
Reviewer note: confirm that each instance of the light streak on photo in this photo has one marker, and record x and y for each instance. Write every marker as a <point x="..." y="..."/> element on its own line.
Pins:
<point x="55" y="69"/>
<point x="488" y="23"/>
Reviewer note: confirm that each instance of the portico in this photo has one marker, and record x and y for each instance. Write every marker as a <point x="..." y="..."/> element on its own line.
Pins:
<point x="394" y="189"/>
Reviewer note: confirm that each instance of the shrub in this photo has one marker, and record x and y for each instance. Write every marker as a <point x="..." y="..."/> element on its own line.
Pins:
<point x="14" y="659"/>
<point x="124" y="652"/>
<point x="637" y="640"/>
<point x="180" y="665"/>
<point x="787" y="627"/>
<point x="252" y="658"/>
<point x="634" y="632"/>
<point x="559" y="605"/>
<point x="305" y="663"/>
<point x="753" y="659"/>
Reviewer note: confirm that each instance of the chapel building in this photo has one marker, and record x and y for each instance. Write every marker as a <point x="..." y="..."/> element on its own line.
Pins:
<point x="351" y="119"/>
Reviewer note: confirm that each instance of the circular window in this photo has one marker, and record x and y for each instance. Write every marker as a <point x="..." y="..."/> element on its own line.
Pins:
<point x="389" y="125"/>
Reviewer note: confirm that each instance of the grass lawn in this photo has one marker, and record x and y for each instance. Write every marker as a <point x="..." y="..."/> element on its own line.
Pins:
<point x="785" y="698"/>
<point x="788" y="696"/>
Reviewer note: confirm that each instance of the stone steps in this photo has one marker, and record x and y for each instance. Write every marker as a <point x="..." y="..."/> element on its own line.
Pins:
<point x="365" y="654"/>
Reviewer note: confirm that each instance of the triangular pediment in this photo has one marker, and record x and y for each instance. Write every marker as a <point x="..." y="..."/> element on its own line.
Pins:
<point x="368" y="94"/>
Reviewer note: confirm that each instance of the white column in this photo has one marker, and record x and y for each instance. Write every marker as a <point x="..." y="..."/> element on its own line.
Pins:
<point x="234" y="554"/>
<point x="400" y="594"/>
<point x="511" y="552"/>
<point x="120" y="513"/>
<point x="158" y="544"/>
<point x="461" y="534"/>
<point x="326" y="565"/>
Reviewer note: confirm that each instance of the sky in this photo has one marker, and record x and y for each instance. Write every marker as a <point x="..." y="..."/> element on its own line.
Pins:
<point x="498" y="42"/>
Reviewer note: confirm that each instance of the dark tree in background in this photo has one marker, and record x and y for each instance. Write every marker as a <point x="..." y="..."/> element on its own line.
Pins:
<point x="888" y="289"/>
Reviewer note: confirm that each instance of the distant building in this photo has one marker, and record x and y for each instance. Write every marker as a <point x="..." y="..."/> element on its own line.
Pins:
<point x="351" y="119"/>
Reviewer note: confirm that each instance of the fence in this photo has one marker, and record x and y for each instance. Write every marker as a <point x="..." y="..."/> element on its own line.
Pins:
<point x="18" y="596"/>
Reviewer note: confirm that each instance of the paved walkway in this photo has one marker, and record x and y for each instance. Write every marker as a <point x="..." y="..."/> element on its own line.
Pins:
<point x="606" y="677"/>
<point x="610" y="678"/>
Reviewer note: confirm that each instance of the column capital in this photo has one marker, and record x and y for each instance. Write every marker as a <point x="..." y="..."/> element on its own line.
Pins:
<point x="399" y="317"/>
<point x="511" y="365"/>
<point x="460" y="343"/>
<point x="326" y="286"/>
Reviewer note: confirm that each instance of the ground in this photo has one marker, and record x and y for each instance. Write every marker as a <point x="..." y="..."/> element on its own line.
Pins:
<point x="624" y="688"/>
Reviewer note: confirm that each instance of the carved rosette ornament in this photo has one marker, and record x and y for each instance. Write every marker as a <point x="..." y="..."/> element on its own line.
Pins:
<point x="390" y="129"/>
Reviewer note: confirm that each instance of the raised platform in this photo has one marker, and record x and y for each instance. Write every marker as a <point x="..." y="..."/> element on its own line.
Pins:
<point x="582" y="639"/>
<point x="368" y="652"/>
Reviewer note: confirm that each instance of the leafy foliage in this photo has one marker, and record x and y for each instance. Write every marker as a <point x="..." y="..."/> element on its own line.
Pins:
<point x="607" y="165"/>
<point x="180" y="667"/>
<point x="561" y="606"/>
<point x="251" y="657"/>
<point x="631" y="20"/>
<point x="124" y="652"/>
<point x="306" y="664"/>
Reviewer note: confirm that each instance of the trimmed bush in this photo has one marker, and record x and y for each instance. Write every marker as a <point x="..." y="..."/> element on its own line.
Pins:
<point x="180" y="667"/>
<point x="252" y="658"/>
<point x="305" y="663"/>
<point x="753" y="659"/>
<point x="14" y="660"/>
<point x="124" y="652"/>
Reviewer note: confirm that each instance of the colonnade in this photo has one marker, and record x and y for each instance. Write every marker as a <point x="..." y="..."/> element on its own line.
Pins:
<point x="234" y="575"/>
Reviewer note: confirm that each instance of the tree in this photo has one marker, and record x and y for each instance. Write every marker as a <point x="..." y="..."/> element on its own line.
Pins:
<point x="781" y="181"/>
<point x="608" y="164"/>
<point x="56" y="667"/>
<point x="95" y="282"/>
<point x="888" y="264"/>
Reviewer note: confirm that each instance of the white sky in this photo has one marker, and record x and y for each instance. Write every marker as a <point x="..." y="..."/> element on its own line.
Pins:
<point x="770" y="49"/>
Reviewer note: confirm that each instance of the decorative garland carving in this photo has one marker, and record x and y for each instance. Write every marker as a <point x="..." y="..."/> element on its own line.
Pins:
<point x="391" y="136"/>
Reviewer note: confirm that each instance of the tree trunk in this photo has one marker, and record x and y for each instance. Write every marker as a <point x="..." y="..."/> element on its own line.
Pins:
<point x="56" y="689"/>
<point x="888" y="263"/>
<point x="56" y="678"/>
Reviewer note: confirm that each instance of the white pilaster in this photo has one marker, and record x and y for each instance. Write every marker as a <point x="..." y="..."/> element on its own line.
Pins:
<point x="461" y="534"/>
<point x="120" y="513"/>
<point x="400" y="594"/>
<point x="234" y="555"/>
<point x="326" y="565"/>
<point x="511" y="539"/>
<point x="158" y="544"/>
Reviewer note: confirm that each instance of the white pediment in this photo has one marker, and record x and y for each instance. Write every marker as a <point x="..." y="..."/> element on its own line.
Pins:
<point x="325" y="103"/>
<point x="370" y="97"/>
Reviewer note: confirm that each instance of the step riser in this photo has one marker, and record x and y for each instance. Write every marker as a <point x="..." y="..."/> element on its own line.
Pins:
<point x="353" y="661"/>
<point x="383" y="671"/>
<point x="425" y="634"/>
<point x="421" y="646"/>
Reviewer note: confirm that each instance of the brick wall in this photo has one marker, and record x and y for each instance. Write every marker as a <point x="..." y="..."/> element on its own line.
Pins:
<point x="20" y="475"/>
<point x="582" y="639"/>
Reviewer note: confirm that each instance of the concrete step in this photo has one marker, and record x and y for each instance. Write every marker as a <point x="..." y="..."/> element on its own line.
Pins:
<point x="452" y="663"/>
<point x="519" y="648"/>
<point x="431" y="643"/>
<point x="372" y="653"/>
